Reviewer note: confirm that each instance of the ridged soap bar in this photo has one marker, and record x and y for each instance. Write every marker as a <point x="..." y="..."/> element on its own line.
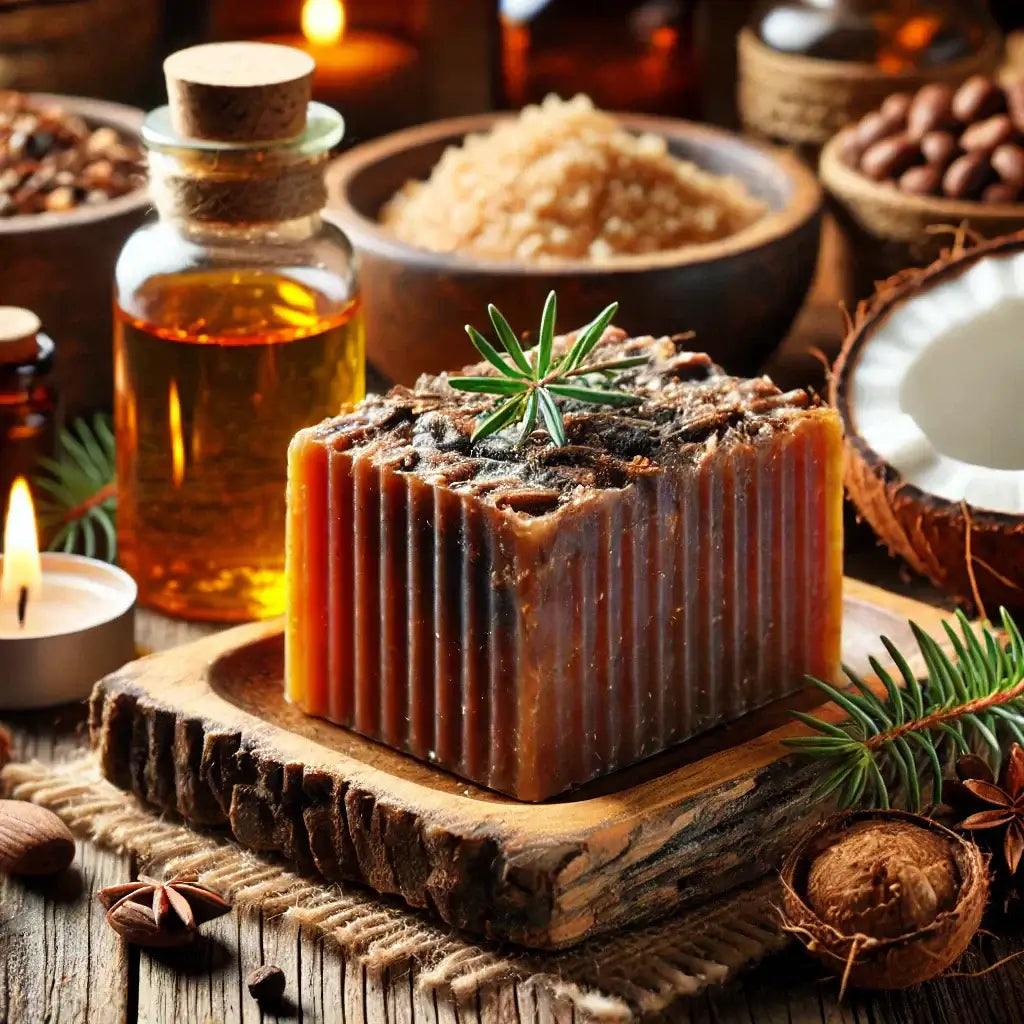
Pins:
<point x="532" y="617"/>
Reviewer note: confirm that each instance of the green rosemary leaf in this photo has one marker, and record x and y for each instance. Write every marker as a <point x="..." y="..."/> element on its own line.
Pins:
<point x="547" y="335"/>
<point x="1013" y="723"/>
<point x="836" y="781"/>
<point x="105" y="524"/>
<point x="895" y="698"/>
<point x="854" y="788"/>
<point x="552" y="417"/>
<point x="821" y="744"/>
<point x="608" y="367"/>
<point x="881" y="790"/>
<point x="911" y="785"/>
<point x="956" y="735"/>
<point x="933" y="759"/>
<point x="911" y="685"/>
<point x="508" y="338"/>
<point x="103" y="458"/>
<point x="597" y="396"/>
<point x="872" y="706"/>
<point x="490" y="353"/>
<point x="1016" y="640"/>
<point x="529" y="417"/>
<point x="986" y="734"/>
<point x="851" y="708"/>
<point x="85" y="465"/>
<point x="489" y="385"/>
<point x="820" y="725"/>
<point x="589" y="337"/>
<point x="506" y="413"/>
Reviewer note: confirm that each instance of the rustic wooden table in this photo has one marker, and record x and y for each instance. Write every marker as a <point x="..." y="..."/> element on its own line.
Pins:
<point x="60" y="962"/>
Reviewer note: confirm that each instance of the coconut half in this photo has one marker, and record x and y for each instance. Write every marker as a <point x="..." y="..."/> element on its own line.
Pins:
<point x="930" y="388"/>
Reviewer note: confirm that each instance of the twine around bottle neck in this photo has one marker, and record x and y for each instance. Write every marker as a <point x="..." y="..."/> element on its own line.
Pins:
<point x="236" y="189"/>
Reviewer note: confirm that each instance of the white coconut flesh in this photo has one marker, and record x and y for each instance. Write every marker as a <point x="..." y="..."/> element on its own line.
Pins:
<point x="938" y="388"/>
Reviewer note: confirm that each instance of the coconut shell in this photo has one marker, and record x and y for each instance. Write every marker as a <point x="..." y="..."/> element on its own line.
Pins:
<point x="886" y="963"/>
<point x="928" y="532"/>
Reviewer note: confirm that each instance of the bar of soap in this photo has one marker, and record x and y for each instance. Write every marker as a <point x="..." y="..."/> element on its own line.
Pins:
<point x="533" y="617"/>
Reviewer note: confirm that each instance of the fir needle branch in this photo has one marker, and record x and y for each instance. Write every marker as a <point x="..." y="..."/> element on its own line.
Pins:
<point x="530" y="386"/>
<point x="971" y="700"/>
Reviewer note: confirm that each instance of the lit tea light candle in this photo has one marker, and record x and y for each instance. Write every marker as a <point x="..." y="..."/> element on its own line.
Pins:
<point x="65" y="620"/>
<point x="371" y="77"/>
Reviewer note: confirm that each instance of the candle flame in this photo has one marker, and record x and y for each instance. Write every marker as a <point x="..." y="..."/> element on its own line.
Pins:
<point x="323" y="21"/>
<point x="177" y="442"/>
<point x="22" y="575"/>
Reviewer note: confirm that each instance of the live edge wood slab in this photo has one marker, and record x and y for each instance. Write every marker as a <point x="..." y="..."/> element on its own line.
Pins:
<point x="204" y="731"/>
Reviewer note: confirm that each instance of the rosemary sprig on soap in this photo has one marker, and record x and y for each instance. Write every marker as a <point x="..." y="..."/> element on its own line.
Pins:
<point x="962" y="705"/>
<point x="533" y="380"/>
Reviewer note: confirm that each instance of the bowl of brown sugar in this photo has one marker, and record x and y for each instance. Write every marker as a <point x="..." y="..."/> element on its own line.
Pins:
<point x="689" y="228"/>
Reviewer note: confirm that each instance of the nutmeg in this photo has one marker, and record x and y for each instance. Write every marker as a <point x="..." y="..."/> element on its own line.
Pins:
<point x="885" y="899"/>
<point x="924" y="180"/>
<point x="938" y="148"/>
<point x="1008" y="162"/>
<point x="33" y="840"/>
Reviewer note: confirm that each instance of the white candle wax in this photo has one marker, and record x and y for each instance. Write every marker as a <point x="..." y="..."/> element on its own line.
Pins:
<point x="78" y="627"/>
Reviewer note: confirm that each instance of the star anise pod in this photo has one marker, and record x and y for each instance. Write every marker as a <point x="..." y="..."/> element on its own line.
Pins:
<point x="992" y="806"/>
<point x="150" y="912"/>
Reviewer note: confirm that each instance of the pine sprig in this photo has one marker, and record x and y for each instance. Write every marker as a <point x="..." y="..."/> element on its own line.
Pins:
<point x="81" y="490"/>
<point x="974" y="701"/>
<point x="532" y="380"/>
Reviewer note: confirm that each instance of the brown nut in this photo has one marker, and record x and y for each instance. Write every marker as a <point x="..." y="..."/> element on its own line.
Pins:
<point x="1014" y="92"/>
<point x="1001" y="192"/>
<point x="871" y="128"/>
<point x="33" y="840"/>
<point x="938" y="148"/>
<point x="888" y="158"/>
<point x="978" y="97"/>
<point x="986" y="135"/>
<point x="266" y="984"/>
<point x="925" y="180"/>
<point x="1008" y="163"/>
<point x="931" y="108"/>
<point x="966" y="176"/>
<point x="896" y="107"/>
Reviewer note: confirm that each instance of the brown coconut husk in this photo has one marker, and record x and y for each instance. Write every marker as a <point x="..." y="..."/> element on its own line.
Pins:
<point x="867" y="961"/>
<point x="974" y="554"/>
<point x="888" y="230"/>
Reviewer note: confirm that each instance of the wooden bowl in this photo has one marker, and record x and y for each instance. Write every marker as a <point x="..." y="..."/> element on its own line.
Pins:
<point x="887" y="230"/>
<point x="61" y="266"/>
<point x="739" y="294"/>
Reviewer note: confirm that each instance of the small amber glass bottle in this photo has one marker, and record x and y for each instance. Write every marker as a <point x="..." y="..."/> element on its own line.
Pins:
<point x="237" y="323"/>
<point x="28" y="399"/>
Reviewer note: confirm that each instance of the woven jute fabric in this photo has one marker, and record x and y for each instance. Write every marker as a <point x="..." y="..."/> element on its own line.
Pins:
<point x="619" y="978"/>
<point x="806" y="100"/>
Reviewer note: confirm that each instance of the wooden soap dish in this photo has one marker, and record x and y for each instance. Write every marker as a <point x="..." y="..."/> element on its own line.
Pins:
<point x="205" y="731"/>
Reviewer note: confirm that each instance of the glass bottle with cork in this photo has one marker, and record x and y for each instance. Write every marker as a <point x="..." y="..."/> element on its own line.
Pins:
<point x="237" y="322"/>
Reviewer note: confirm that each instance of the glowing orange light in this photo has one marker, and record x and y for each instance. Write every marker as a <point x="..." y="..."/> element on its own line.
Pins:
<point x="323" y="21"/>
<point x="177" y="443"/>
<point x="917" y="33"/>
<point x="22" y="569"/>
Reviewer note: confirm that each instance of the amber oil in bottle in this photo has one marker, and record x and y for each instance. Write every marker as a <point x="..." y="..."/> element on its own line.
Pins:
<point x="212" y="383"/>
<point x="237" y="323"/>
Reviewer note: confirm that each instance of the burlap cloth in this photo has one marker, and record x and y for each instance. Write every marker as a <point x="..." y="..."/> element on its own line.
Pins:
<point x="620" y="978"/>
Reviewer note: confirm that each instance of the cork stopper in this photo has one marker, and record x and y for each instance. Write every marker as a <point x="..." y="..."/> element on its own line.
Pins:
<point x="18" y="330"/>
<point x="239" y="92"/>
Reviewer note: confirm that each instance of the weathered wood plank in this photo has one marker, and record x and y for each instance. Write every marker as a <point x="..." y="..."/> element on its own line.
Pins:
<point x="205" y="731"/>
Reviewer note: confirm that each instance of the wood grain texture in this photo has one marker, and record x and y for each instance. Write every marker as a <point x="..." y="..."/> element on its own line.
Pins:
<point x="204" y="731"/>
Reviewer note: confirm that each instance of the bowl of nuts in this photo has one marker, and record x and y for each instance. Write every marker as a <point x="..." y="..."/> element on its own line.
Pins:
<point x="945" y="157"/>
<point x="72" y="188"/>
